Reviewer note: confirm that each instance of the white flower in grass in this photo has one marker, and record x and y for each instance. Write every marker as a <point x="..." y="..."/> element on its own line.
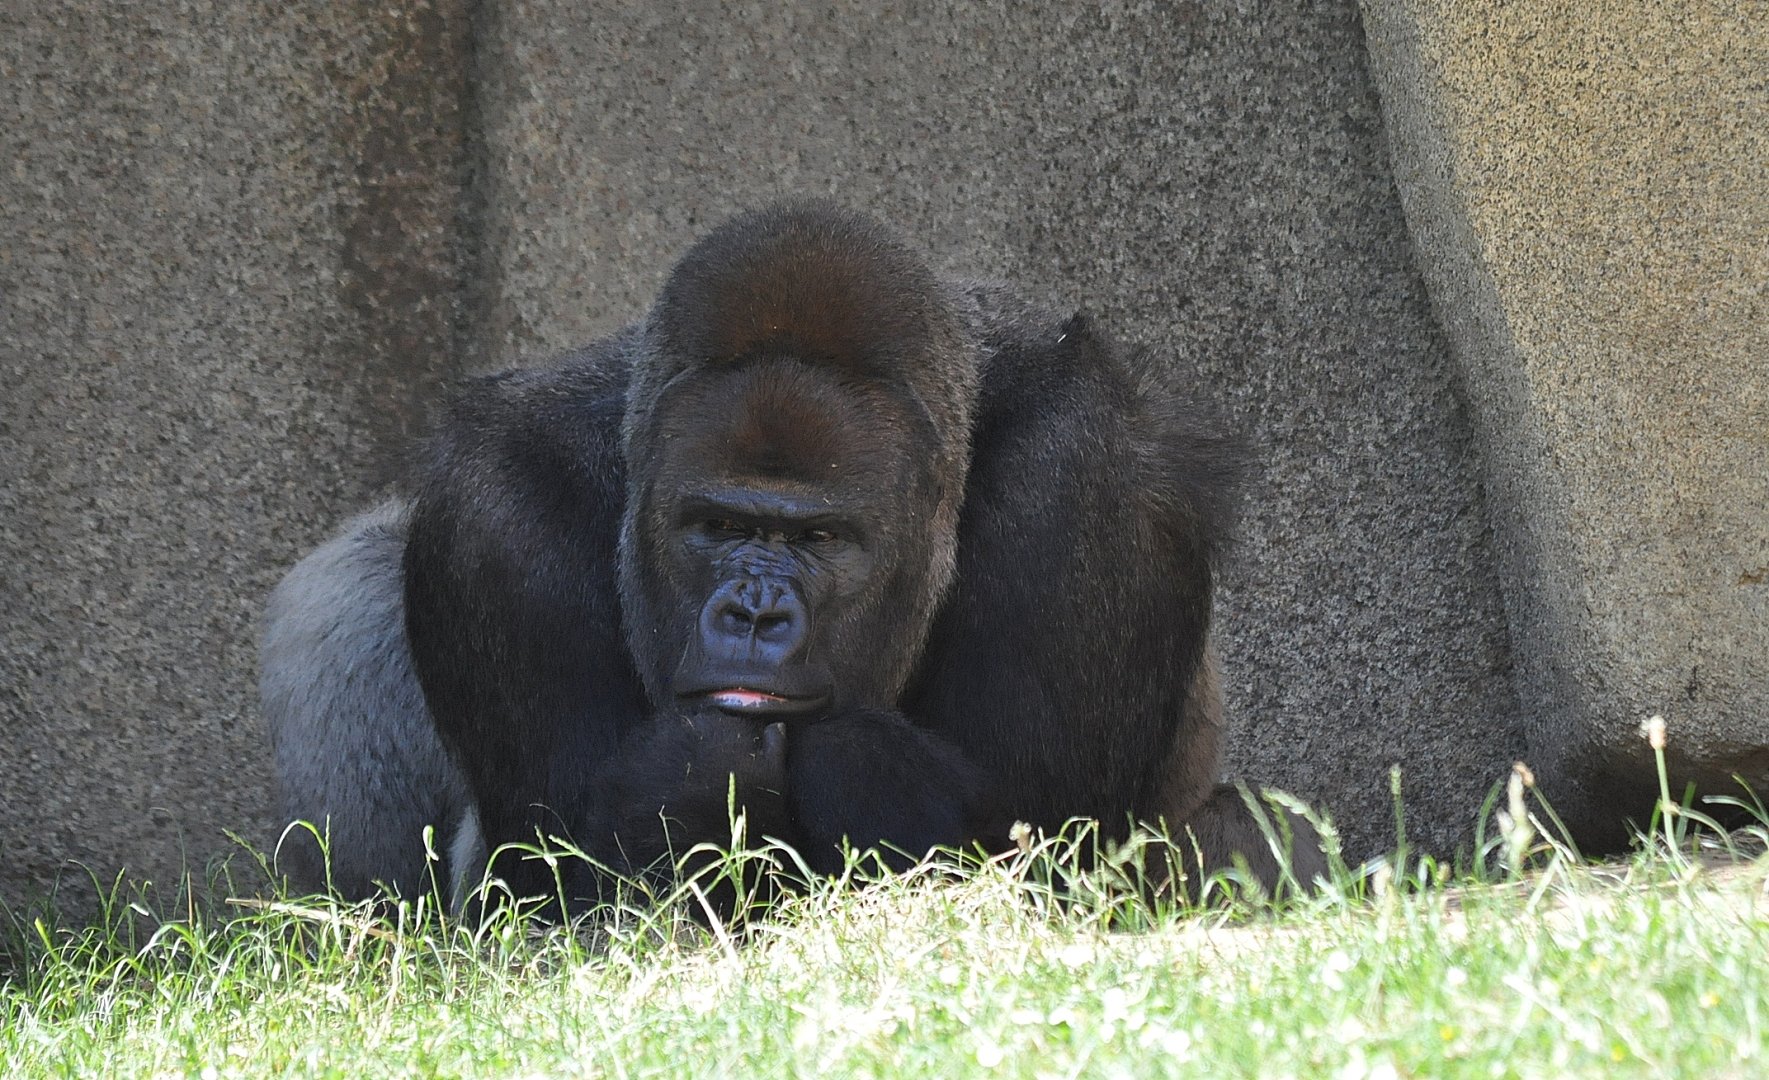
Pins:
<point x="1175" y="1043"/>
<point x="1654" y="731"/>
<point x="1333" y="969"/>
<point x="1360" y="1068"/>
<point x="989" y="1053"/>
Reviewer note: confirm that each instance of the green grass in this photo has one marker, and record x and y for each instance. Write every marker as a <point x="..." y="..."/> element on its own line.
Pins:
<point x="1656" y="966"/>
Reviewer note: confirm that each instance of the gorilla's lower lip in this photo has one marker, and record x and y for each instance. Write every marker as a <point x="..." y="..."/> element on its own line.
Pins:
<point x="742" y="700"/>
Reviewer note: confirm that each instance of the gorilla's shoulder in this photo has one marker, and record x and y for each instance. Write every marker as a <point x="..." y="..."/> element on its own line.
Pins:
<point x="590" y="379"/>
<point x="1041" y="366"/>
<point x="558" y="415"/>
<point x="1001" y="317"/>
<point x="1037" y="360"/>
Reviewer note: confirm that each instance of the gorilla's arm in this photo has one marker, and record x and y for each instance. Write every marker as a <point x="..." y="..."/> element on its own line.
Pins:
<point x="513" y="616"/>
<point x="1081" y="613"/>
<point x="871" y="779"/>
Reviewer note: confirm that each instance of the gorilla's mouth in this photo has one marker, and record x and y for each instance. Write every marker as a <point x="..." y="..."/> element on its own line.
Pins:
<point x="743" y="689"/>
<point x="743" y="701"/>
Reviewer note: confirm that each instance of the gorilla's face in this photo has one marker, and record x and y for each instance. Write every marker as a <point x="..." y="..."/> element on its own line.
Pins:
<point x="778" y="561"/>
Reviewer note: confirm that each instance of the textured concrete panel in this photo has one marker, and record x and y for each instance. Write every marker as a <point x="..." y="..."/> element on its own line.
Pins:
<point x="225" y="260"/>
<point x="1210" y="178"/>
<point x="1587" y="184"/>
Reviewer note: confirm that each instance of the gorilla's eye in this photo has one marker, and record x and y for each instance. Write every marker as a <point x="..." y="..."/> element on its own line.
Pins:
<point x="819" y="536"/>
<point x="725" y="527"/>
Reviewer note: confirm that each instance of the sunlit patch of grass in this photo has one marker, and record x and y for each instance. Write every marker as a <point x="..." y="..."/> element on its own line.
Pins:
<point x="1045" y="961"/>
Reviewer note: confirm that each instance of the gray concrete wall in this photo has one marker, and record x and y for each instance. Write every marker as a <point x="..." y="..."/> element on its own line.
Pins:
<point x="1588" y="186"/>
<point x="226" y="283"/>
<point x="241" y="245"/>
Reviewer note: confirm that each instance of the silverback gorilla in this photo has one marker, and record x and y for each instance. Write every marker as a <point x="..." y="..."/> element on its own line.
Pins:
<point x="897" y="559"/>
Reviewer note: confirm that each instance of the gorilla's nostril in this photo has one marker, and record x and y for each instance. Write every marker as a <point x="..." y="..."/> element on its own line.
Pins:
<point x="772" y="625"/>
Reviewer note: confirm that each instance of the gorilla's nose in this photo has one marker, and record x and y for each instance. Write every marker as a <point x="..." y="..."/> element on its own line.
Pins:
<point x="755" y="618"/>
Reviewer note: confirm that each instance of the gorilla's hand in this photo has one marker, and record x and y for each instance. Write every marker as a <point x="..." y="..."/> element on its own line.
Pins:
<point x="692" y="775"/>
<point x="872" y="778"/>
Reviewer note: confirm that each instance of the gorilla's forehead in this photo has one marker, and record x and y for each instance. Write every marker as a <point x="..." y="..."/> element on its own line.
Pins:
<point x="783" y="421"/>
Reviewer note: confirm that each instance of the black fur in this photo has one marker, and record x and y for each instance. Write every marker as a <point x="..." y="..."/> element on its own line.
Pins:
<point x="943" y="560"/>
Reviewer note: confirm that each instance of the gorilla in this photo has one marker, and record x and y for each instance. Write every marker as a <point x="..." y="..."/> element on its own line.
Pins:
<point x="886" y="558"/>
